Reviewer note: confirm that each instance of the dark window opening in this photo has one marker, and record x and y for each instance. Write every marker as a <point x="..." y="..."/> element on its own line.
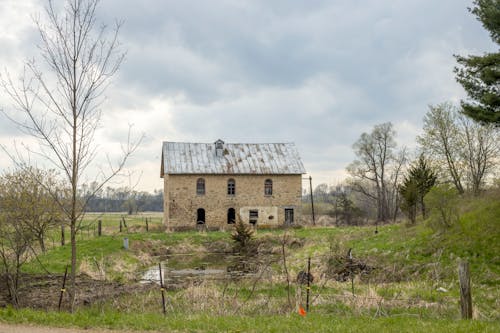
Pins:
<point x="200" y="216"/>
<point x="288" y="215"/>
<point x="268" y="187"/>
<point x="200" y="186"/>
<point x="231" y="187"/>
<point x="253" y="216"/>
<point x="231" y="216"/>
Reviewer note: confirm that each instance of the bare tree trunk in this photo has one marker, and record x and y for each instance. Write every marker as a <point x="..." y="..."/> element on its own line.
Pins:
<point x="422" y="207"/>
<point x="41" y="242"/>
<point x="72" y="276"/>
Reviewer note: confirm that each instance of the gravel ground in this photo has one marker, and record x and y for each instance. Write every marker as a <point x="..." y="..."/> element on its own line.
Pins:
<point x="7" y="328"/>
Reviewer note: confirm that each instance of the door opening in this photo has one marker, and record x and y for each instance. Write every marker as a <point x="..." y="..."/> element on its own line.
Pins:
<point x="200" y="216"/>
<point x="231" y="216"/>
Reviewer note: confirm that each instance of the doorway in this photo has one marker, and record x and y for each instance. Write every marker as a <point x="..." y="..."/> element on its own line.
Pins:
<point x="231" y="216"/>
<point x="200" y="216"/>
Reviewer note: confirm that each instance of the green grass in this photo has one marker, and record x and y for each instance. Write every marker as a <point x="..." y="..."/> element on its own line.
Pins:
<point x="292" y="322"/>
<point x="411" y="262"/>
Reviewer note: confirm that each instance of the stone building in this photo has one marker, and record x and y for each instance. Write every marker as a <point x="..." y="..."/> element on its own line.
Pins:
<point x="217" y="184"/>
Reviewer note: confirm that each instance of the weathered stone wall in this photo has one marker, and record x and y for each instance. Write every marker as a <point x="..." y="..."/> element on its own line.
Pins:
<point x="182" y="202"/>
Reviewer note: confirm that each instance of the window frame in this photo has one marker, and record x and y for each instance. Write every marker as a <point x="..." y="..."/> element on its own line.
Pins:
<point x="231" y="187"/>
<point x="268" y="187"/>
<point x="200" y="186"/>
<point x="253" y="216"/>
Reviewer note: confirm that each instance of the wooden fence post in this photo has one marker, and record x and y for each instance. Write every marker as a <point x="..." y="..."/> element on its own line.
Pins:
<point x="63" y="288"/>
<point x="147" y="225"/>
<point x="308" y="283"/>
<point x="465" y="292"/>
<point x="162" y="288"/>
<point x="121" y="226"/>
<point x="99" y="228"/>
<point x="312" y="200"/>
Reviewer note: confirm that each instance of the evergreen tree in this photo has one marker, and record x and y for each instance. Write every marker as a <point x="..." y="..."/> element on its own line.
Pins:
<point x="480" y="75"/>
<point x="417" y="183"/>
<point x="425" y="179"/>
<point x="347" y="210"/>
<point x="242" y="234"/>
<point x="409" y="195"/>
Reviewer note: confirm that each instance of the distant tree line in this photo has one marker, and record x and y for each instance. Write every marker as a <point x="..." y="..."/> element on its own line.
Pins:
<point x="121" y="199"/>
<point x="338" y="202"/>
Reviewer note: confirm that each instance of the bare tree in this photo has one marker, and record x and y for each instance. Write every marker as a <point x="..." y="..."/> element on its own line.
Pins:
<point x="468" y="149"/>
<point x="376" y="170"/>
<point x="60" y="106"/>
<point x="480" y="147"/>
<point x="440" y="140"/>
<point x="396" y="170"/>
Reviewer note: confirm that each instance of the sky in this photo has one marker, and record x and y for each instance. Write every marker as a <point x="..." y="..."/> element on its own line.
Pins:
<point x="316" y="73"/>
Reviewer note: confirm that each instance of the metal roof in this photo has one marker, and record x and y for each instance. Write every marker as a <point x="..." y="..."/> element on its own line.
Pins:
<point x="234" y="158"/>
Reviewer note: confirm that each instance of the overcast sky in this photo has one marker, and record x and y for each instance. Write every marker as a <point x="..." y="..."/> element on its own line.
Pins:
<point x="317" y="73"/>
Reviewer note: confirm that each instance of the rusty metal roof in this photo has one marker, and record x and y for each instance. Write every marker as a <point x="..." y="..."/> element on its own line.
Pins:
<point x="234" y="158"/>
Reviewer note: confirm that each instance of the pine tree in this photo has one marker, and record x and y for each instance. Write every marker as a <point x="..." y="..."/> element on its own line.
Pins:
<point x="480" y="75"/>
<point x="417" y="183"/>
<point x="242" y="234"/>
<point x="409" y="195"/>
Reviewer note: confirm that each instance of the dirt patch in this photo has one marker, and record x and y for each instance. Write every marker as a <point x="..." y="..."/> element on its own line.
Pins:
<point x="43" y="292"/>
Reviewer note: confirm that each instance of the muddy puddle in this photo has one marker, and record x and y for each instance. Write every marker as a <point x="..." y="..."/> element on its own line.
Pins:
<point x="152" y="275"/>
<point x="179" y="268"/>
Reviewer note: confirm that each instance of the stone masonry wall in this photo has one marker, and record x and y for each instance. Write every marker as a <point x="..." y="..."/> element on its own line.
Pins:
<point x="182" y="202"/>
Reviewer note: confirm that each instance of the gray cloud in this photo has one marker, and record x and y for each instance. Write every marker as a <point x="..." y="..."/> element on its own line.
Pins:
<point x="318" y="73"/>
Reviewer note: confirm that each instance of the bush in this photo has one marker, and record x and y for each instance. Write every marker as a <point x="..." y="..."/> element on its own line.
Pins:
<point x="442" y="201"/>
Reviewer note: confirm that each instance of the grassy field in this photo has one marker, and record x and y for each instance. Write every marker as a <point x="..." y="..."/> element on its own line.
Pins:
<point x="411" y="287"/>
<point x="209" y="323"/>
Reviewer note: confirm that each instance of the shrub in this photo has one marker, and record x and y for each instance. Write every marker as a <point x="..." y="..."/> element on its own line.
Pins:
<point x="442" y="201"/>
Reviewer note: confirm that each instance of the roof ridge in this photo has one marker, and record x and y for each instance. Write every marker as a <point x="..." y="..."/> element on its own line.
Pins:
<point x="234" y="143"/>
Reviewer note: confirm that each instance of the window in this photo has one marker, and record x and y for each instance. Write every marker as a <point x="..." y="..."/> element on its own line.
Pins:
<point x="200" y="186"/>
<point x="253" y="216"/>
<point x="268" y="187"/>
<point x="231" y="187"/>
<point x="288" y="215"/>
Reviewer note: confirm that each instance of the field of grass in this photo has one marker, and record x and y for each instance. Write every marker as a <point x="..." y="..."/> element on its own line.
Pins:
<point x="413" y="285"/>
<point x="210" y="323"/>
